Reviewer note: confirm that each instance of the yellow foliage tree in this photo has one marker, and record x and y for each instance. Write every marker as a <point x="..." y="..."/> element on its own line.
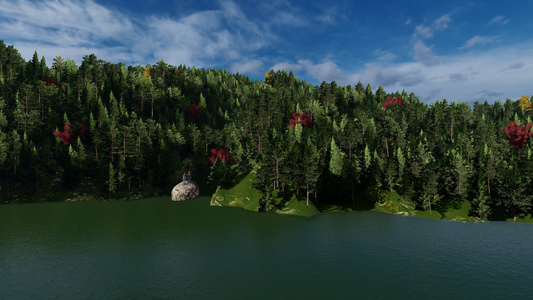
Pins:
<point x="268" y="77"/>
<point x="525" y="103"/>
<point x="147" y="71"/>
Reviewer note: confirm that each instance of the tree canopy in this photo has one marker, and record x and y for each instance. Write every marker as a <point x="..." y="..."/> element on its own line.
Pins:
<point x="121" y="127"/>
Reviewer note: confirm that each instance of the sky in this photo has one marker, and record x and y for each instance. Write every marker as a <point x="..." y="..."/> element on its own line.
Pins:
<point x="480" y="50"/>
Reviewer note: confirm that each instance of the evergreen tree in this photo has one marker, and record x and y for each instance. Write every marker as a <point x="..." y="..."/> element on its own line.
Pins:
<point x="336" y="162"/>
<point x="112" y="180"/>
<point x="16" y="145"/>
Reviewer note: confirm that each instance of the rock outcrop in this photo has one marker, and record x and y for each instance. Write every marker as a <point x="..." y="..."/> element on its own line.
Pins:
<point x="185" y="191"/>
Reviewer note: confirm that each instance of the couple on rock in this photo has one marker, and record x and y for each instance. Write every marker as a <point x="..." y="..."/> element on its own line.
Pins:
<point x="187" y="177"/>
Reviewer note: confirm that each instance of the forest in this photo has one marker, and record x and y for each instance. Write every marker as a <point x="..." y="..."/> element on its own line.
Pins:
<point x="107" y="129"/>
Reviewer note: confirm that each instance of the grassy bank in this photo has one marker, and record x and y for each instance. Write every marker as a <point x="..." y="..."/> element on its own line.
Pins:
<point x="243" y="194"/>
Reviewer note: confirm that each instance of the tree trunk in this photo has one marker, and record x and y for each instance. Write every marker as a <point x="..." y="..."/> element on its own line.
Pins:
<point x="39" y="103"/>
<point x="124" y="147"/>
<point x="451" y="131"/>
<point x="307" y="184"/>
<point x="353" y="199"/>
<point x="387" y="146"/>
<point x="153" y="105"/>
<point x="259" y="142"/>
<point x="277" y="172"/>
<point x="142" y="104"/>
<point x="26" y="101"/>
<point x="390" y="182"/>
<point x="112" y="148"/>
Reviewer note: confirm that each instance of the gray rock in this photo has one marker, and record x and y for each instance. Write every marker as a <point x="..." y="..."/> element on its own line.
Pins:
<point x="185" y="191"/>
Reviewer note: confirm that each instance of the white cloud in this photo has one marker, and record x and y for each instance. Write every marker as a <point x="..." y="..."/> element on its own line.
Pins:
<point x="79" y="20"/>
<point x="324" y="71"/>
<point x="498" y="20"/>
<point x="478" y="39"/>
<point x="286" y="66"/>
<point x="253" y="66"/>
<point x="226" y="36"/>
<point x="423" y="53"/>
<point x="283" y="18"/>
<point x="427" y="31"/>
<point x="73" y="28"/>
<point x="470" y="76"/>
<point x="383" y="55"/>
<point x="442" y="22"/>
<point x="423" y="31"/>
<point x="330" y="15"/>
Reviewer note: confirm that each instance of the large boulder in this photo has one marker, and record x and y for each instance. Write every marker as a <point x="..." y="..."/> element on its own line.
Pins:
<point x="185" y="191"/>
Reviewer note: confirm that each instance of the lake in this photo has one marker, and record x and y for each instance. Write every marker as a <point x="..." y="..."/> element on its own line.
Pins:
<point x="158" y="249"/>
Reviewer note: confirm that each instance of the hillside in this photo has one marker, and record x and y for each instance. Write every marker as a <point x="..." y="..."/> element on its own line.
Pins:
<point x="102" y="128"/>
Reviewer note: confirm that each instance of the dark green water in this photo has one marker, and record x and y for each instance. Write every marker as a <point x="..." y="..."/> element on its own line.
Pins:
<point x="159" y="249"/>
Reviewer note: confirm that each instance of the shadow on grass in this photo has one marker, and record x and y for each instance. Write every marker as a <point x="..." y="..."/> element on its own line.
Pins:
<point x="499" y="213"/>
<point x="361" y="204"/>
<point x="451" y="206"/>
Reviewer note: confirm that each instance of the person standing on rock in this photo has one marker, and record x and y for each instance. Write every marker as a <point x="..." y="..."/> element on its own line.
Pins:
<point x="184" y="177"/>
<point x="189" y="177"/>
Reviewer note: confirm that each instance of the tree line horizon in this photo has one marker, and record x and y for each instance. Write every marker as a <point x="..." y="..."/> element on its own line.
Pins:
<point x="123" y="127"/>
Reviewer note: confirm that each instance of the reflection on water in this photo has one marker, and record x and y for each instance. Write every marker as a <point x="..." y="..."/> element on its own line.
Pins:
<point x="156" y="248"/>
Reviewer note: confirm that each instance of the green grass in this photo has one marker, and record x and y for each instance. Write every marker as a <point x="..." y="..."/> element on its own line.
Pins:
<point x="336" y="208"/>
<point x="425" y="214"/>
<point x="460" y="212"/>
<point x="455" y="210"/>
<point x="393" y="203"/>
<point x="526" y="219"/>
<point x="244" y="195"/>
<point x="241" y="194"/>
<point x="298" y="206"/>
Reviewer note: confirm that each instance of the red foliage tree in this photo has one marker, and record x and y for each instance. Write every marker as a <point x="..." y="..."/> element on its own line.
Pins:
<point x="194" y="111"/>
<point x="301" y="118"/>
<point x="49" y="81"/>
<point x="518" y="134"/>
<point x="180" y="72"/>
<point x="221" y="153"/>
<point x="392" y="101"/>
<point x="70" y="136"/>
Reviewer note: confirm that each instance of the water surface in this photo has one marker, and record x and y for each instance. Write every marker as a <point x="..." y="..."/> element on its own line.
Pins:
<point x="158" y="249"/>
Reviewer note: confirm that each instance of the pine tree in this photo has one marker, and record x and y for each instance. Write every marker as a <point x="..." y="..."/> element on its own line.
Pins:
<point x="462" y="171"/>
<point x="336" y="162"/>
<point x="16" y="145"/>
<point x="311" y="166"/>
<point x="112" y="180"/>
<point x="4" y="147"/>
<point x="203" y="103"/>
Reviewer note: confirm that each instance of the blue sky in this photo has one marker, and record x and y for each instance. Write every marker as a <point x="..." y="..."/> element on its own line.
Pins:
<point x="457" y="50"/>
